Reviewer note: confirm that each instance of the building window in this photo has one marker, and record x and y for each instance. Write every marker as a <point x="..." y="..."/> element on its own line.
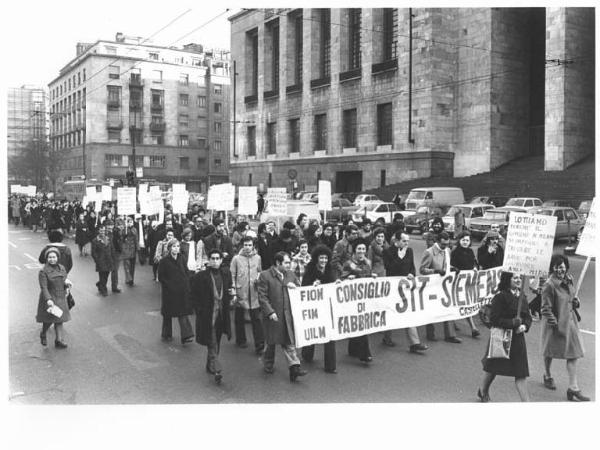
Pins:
<point x="196" y="62"/>
<point x="320" y="137"/>
<point x="201" y="163"/>
<point x="69" y="83"/>
<point x="294" y="135"/>
<point x="390" y="25"/>
<point x="252" y="51"/>
<point x="325" y="43"/>
<point x="271" y="138"/>
<point x="184" y="163"/>
<point x="153" y="56"/>
<point x="249" y="179"/>
<point x="218" y="108"/>
<point x="78" y="78"/>
<point x="184" y="120"/>
<point x="218" y="89"/>
<point x="217" y="146"/>
<point x="217" y="163"/>
<point x="113" y="72"/>
<point x="349" y="128"/>
<point x="384" y="124"/>
<point x="383" y="181"/>
<point x="274" y="33"/>
<point x="184" y="99"/>
<point x="157" y="139"/>
<point x="298" y="29"/>
<point x="111" y="50"/>
<point x="218" y="128"/>
<point x="114" y="135"/>
<point x="84" y="78"/>
<point x="354" y="19"/>
<point x="113" y="160"/>
<point x="157" y="76"/>
<point x="184" y="79"/>
<point x="201" y="101"/>
<point x="251" y="136"/>
<point x="184" y="140"/>
<point x="270" y="182"/>
<point x="114" y="95"/>
<point x="157" y="162"/>
<point x="202" y="143"/>
<point x="157" y="97"/>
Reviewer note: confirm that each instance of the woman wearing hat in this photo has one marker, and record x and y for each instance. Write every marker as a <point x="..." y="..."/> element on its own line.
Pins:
<point x="53" y="292"/>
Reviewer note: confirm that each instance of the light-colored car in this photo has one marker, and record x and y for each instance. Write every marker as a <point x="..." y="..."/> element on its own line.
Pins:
<point x="584" y="208"/>
<point x="310" y="197"/>
<point x="374" y="211"/>
<point x="529" y="204"/>
<point x="568" y="222"/>
<point x="363" y="199"/>
<point x="294" y="209"/>
<point x="470" y="211"/>
<point x="479" y="226"/>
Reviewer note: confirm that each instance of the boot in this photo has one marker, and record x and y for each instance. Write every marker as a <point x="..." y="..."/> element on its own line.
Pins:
<point x="296" y="371"/>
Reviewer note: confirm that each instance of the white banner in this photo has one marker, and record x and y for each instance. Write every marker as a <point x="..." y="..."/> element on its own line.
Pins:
<point x="126" y="201"/>
<point x="247" y="200"/>
<point x="31" y="190"/>
<point x="324" y="195"/>
<point x="106" y="193"/>
<point x="180" y="202"/>
<point x="588" y="245"/>
<point x="276" y="201"/>
<point x="529" y="244"/>
<point x="370" y="305"/>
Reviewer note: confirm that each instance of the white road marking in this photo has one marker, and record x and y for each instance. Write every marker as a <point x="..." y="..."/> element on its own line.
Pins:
<point x="16" y="267"/>
<point x="593" y="333"/>
<point x="11" y="244"/>
<point x="24" y="239"/>
<point x="30" y="257"/>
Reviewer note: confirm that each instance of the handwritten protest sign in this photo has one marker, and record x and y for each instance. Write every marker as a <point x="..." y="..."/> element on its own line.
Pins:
<point x="178" y="187"/>
<point x="529" y="244"/>
<point x="106" y="194"/>
<point x="31" y="190"/>
<point x="277" y="201"/>
<point x="324" y="195"/>
<point x="90" y="192"/>
<point x="126" y="200"/>
<point x="247" y="200"/>
<point x="588" y="242"/>
<point x="15" y="188"/>
<point x="369" y="305"/>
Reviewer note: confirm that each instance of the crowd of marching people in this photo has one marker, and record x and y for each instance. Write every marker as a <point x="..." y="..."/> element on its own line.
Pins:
<point x="228" y="272"/>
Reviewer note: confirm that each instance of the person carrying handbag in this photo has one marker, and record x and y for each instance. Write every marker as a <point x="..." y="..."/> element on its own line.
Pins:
<point x="508" y="312"/>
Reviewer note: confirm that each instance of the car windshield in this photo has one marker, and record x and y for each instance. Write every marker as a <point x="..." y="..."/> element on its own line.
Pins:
<point x="515" y="202"/>
<point x="545" y="212"/>
<point x="452" y="211"/>
<point x="494" y="215"/>
<point x="372" y="206"/>
<point x="416" y="195"/>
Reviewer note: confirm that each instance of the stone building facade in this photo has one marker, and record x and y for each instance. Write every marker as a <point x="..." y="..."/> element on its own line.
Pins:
<point x="366" y="97"/>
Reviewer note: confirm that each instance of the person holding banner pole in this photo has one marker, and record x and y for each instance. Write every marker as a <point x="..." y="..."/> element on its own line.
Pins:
<point x="509" y="313"/>
<point x="358" y="266"/>
<point x="319" y="271"/>
<point x="561" y="338"/>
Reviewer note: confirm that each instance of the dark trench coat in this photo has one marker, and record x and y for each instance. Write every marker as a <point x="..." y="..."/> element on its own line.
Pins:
<point x="175" y="296"/>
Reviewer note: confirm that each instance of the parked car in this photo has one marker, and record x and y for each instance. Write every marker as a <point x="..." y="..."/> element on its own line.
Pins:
<point x="297" y="195"/>
<point x="364" y="199"/>
<point x="342" y="209"/>
<point x="495" y="200"/>
<point x="480" y="226"/>
<point x="439" y="196"/>
<point x="470" y="210"/>
<point x="310" y="197"/>
<point x="529" y="204"/>
<point x="584" y="208"/>
<point x="294" y="209"/>
<point x="568" y="222"/>
<point x="422" y="217"/>
<point x="374" y="211"/>
<point x="551" y="203"/>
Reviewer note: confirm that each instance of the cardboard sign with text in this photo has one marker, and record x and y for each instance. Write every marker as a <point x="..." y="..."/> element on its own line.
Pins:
<point x="221" y="197"/>
<point x="529" y="244"/>
<point x="324" y="195"/>
<point x="247" y="200"/>
<point x="126" y="200"/>
<point x="588" y="245"/>
<point x="276" y="201"/>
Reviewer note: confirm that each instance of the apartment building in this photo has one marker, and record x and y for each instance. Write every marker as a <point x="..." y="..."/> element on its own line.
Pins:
<point x="366" y="97"/>
<point x="169" y="106"/>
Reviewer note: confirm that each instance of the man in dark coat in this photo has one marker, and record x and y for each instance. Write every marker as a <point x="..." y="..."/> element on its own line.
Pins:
<point x="283" y="243"/>
<point x="103" y="254"/>
<point x="56" y="240"/>
<point x="273" y="285"/>
<point x="211" y="295"/>
<point x="220" y="241"/>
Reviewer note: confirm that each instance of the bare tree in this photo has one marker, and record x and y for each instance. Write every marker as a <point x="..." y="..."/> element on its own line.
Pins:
<point x="38" y="164"/>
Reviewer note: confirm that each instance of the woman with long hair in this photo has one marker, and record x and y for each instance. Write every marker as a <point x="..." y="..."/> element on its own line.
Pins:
<point x="463" y="258"/>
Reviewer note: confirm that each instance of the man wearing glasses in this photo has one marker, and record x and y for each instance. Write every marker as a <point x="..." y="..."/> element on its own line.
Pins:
<point x="342" y="251"/>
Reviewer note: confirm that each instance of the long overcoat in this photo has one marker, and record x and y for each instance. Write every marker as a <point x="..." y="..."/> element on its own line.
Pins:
<point x="173" y="277"/>
<point x="560" y="330"/>
<point x="274" y="298"/>
<point x="203" y="301"/>
<point x="504" y="311"/>
<point x="52" y="287"/>
<point x="245" y="270"/>
<point x="129" y="243"/>
<point x="103" y="254"/>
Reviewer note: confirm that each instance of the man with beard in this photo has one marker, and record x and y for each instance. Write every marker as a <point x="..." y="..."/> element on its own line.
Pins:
<point x="220" y="241"/>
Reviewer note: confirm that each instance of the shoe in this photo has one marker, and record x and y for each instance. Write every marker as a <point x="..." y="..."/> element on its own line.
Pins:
<point x="296" y="371"/>
<point x="129" y="283"/>
<point x="483" y="398"/>
<point x="269" y="370"/>
<point x="116" y="290"/>
<point x="432" y="338"/>
<point x="453" y="340"/>
<point x="242" y="344"/>
<point x="330" y="371"/>
<point x="475" y="333"/>
<point x="43" y="339"/>
<point x="187" y="340"/>
<point x="104" y="293"/>
<point x="388" y="342"/>
<point x="576" y="396"/>
<point x="60" y="344"/>
<point x="367" y="360"/>
<point x="417" y="348"/>
<point x="549" y="383"/>
<point x="218" y="377"/>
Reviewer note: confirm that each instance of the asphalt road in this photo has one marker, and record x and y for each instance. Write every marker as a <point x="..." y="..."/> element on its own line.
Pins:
<point x="115" y="354"/>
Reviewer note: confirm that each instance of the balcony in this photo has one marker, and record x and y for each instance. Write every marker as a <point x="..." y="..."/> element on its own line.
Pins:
<point x="320" y="82"/>
<point x="271" y="94"/>
<point x="114" y="125"/>
<point x="156" y="107"/>
<point x="293" y="88"/>
<point x="158" y="126"/>
<point x="350" y="74"/>
<point x="135" y="106"/>
<point x="137" y="126"/>
<point x="391" y="64"/>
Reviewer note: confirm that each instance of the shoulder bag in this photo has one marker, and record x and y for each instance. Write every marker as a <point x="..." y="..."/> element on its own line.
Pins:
<point x="501" y="339"/>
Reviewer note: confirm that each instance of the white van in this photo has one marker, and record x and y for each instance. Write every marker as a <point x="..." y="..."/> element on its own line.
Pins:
<point x="438" y="196"/>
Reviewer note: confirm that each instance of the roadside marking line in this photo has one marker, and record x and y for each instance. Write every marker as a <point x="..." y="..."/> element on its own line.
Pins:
<point x="11" y="244"/>
<point x="593" y="333"/>
<point x="31" y="257"/>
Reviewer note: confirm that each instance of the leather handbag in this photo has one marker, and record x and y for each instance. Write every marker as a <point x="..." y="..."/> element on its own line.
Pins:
<point x="70" y="301"/>
<point x="501" y="339"/>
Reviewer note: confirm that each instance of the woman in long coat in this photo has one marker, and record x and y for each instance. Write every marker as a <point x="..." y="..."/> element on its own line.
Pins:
<point x="463" y="258"/>
<point x="504" y="315"/>
<point x="81" y="235"/>
<point x="561" y="338"/>
<point x="53" y="283"/>
<point x="175" y="297"/>
<point x="103" y="252"/>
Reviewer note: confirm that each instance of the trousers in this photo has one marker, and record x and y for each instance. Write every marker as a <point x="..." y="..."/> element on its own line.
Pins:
<point x="114" y="274"/>
<point x="411" y="334"/>
<point x="257" y="327"/>
<point x="308" y="354"/>
<point x="185" y="327"/>
<point x="213" y="365"/>
<point x="129" y="268"/>
<point x="359" y="346"/>
<point x="289" y="351"/>
<point x="448" y="329"/>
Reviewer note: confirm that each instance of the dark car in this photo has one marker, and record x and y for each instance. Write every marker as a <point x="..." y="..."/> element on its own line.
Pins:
<point x="421" y="218"/>
<point x="495" y="200"/>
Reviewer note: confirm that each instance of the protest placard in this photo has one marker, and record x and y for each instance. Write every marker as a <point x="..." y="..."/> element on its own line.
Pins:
<point x="90" y="192"/>
<point x="178" y="187"/>
<point x="324" y="195"/>
<point x="180" y="202"/>
<point x="106" y="193"/>
<point x="98" y="202"/>
<point x="15" y="188"/>
<point x="588" y="242"/>
<point x="247" y="200"/>
<point x="276" y="201"/>
<point x="370" y="305"/>
<point x="529" y="244"/>
<point x="221" y="197"/>
<point x="126" y="200"/>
